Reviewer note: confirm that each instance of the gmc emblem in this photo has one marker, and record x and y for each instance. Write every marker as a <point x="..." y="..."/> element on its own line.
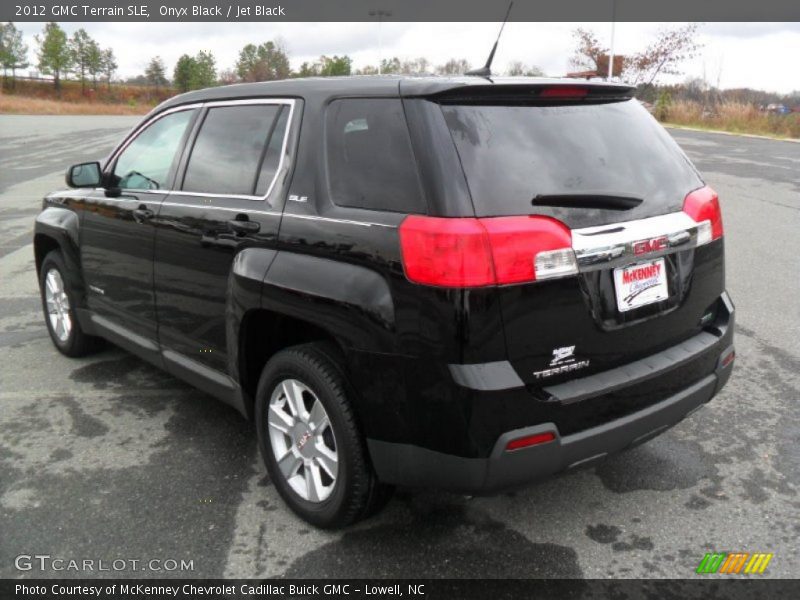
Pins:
<point x="651" y="245"/>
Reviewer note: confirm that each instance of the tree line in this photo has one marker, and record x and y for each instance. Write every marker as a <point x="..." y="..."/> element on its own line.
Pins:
<point x="58" y="55"/>
<point x="80" y="57"/>
<point x="269" y="61"/>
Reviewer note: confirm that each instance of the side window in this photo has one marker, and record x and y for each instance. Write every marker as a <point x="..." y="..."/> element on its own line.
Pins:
<point x="230" y="149"/>
<point x="370" y="162"/>
<point x="146" y="163"/>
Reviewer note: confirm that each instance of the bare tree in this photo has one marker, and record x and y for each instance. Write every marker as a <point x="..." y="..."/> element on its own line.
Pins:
<point x="454" y="66"/>
<point x="518" y="68"/>
<point x="588" y="51"/>
<point x="664" y="55"/>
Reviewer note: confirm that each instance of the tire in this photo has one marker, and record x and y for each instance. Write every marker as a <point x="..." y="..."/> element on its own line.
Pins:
<point x="326" y="493"/>
<point x="54" y="284"/>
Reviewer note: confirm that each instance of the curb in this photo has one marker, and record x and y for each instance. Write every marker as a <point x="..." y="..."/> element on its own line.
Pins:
<point x="747" y="135"/>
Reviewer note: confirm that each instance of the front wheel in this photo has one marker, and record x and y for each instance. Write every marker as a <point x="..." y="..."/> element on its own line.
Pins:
<point x="309" y="439"/>
<point x="59" y="308"/>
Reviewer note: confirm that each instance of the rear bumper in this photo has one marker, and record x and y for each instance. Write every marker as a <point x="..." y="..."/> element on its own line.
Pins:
<point x="416" y="466"/>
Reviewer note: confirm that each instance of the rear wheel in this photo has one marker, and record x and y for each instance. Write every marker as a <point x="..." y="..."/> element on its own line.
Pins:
<point x="59" y="309"/>
<point x="309" y="439"/>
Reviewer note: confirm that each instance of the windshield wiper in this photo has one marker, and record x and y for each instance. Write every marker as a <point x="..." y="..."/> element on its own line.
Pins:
<point x="606" y="201"/>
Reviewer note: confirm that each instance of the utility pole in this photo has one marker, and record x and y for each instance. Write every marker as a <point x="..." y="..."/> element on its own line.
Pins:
<point x="611" y="51"/>
<point x="380" y="14"/>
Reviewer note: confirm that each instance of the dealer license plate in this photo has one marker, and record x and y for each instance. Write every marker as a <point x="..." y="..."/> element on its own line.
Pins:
<point x="641" y="284"/>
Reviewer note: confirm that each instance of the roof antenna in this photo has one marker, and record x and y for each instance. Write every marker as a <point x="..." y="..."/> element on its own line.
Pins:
<point x="486" y="70"/>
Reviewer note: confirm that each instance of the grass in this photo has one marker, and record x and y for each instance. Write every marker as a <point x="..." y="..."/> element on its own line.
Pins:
<point x="39" y="97"/>
<point x="733" y="117"/>
<point x="21" y="105"/>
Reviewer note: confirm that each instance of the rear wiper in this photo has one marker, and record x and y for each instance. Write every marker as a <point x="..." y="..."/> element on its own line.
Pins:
<point x="606" y="201"/>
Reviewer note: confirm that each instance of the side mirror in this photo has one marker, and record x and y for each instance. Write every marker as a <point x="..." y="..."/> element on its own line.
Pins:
<point x="84" y="175"/>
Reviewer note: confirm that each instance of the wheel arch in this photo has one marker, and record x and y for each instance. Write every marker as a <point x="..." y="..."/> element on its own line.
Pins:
<point x="281" y="299"/>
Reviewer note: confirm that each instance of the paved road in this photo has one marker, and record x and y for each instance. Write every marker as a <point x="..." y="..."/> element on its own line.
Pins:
<point x="107" y="458"/>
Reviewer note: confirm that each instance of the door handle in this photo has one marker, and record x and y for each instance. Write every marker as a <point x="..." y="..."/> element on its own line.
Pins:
<point x="142" y="214"/>
<point x="243" y="225"/>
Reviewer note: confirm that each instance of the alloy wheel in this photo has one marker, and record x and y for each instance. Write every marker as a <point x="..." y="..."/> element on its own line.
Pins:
<point x="57" y="305"/>
<point x="302" y="440"/>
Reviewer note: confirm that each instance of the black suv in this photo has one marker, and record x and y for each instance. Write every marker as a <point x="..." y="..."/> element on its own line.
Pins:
<point x="452" y="283"/>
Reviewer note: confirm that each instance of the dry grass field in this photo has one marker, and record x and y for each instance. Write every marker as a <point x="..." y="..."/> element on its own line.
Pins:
<point x="734" y="117"/>
<point x="22" y="105"/>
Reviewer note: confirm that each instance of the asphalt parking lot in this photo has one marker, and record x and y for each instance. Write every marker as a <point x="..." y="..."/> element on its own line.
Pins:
<point x="108" y="458"/>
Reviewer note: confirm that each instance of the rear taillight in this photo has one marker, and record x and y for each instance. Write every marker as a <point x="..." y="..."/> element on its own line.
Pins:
<point x="470" y="252"/>
<point x="703" y="206"/>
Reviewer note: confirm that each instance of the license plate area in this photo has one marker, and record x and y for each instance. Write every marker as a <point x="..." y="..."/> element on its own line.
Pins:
<point x="641" y="284"/>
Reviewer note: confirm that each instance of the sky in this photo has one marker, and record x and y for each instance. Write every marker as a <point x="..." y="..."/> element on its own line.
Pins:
<point x="756" y="55"/>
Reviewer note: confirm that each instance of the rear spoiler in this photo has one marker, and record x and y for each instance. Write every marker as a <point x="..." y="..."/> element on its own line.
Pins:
<point x="538" y="94"/>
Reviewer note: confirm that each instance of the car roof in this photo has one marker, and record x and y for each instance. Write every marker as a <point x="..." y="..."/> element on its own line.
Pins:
<point x="323" y="88"/>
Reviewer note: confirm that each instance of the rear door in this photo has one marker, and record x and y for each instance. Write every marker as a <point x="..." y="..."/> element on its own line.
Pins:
<point x="615" y="178"/>
<point x="117" y="231"/>
<point x="228" y="197"/>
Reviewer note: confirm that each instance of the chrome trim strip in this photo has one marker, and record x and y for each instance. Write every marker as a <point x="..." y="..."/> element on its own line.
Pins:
<point x="228" y="208"/>
<point x="333" y="220"/>
<point x="609" y="246"/>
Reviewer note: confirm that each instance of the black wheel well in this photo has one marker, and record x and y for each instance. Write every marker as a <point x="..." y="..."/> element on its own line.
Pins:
<point x="262" y="333"/>
<point x="42" y="246"/>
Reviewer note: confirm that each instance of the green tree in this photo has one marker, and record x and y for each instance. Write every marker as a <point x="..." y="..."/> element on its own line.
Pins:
<point x="54" y="53"/>
<point x="663" y="104"/>
<point x="94" y="62"/>
<point x="265" y="62"/>
<point x="307" y="70"/>
<point x="155" y="73"/>
<point x="108" y="65"/>
<point x="335" y="65"/>
<point x="327" y="66"/>
<point x="13" y="51"/>
<point x="205" y="73"/>
<point x="80" y="48"/>
<point x="390" y="66"/>
<point x="183" y="76"/>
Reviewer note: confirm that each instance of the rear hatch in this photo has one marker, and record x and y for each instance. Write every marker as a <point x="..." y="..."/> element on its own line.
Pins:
<point x="647" y="276"/>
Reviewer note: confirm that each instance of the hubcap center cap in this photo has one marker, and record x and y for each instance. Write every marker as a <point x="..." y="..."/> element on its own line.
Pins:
<point x="303" y="441"/>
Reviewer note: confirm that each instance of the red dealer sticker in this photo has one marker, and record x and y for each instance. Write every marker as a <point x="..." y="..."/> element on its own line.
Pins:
<point x="641" y="284"/>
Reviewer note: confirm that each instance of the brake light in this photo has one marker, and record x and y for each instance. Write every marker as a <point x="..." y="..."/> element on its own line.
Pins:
<point x="478" y="252"/>
<point x="703" y="206"/>
<point x="563" y="91"/>
<point x="531" y="440"/>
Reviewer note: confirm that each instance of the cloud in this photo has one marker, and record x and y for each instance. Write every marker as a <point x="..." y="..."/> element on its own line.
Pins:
<point x="738" y="54"/>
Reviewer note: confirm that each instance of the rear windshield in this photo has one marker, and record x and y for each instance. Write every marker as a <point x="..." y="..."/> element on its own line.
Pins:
<point x="514" y="154"/>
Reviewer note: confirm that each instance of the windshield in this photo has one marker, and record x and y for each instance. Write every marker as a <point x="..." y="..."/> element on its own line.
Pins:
<point x="514" y="156"/>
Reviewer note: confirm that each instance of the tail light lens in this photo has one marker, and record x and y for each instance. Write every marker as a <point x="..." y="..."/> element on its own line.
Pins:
<point x="470" y="252"/>
<point x="564" y="91"/>
<point x="531" y="440"/>
<point x="703" y="206"/>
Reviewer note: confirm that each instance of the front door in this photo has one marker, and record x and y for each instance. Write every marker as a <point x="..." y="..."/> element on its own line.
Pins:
<point x="117" y="233"/>
<point x="228" y="198"/>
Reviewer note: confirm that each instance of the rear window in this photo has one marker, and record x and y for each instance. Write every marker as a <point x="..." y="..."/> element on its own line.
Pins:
<point x="512" y="154"/>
